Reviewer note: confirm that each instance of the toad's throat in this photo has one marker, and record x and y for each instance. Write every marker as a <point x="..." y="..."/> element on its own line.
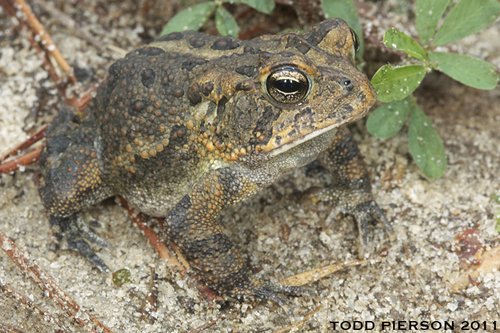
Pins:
<point x="277" y="145"/>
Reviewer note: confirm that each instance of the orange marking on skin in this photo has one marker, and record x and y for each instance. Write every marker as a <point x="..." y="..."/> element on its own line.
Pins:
<point x="210" y="147"/>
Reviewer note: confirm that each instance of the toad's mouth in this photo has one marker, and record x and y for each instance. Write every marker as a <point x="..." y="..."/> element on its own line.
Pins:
<point x="277" y="146"/>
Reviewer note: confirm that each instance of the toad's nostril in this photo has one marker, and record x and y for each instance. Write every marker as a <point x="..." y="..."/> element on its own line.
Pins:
<point x="347" y="83"/>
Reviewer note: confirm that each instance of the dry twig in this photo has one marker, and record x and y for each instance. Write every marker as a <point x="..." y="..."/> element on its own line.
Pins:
<point x="38" y="30"/>
<point x="152" y="237"/>
<point x="26" y="144"/>
<point x="69" y="23"/>
<point x="319" y="273"/>
<point x="13" y="293"/>
<point x="149" y="303"/>
<point x="26" y="159"/>
<point x="44" y="282"/>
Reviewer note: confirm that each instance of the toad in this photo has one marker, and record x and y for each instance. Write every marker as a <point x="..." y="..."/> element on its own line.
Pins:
<point x="192" y="123"/>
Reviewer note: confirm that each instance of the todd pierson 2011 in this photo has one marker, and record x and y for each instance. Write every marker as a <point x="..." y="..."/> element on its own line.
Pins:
<point x="406" y="325"/>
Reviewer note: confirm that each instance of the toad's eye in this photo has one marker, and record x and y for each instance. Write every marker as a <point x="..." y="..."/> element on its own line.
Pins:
<point x="355" y="44"/>
<point x="287" y="85"/>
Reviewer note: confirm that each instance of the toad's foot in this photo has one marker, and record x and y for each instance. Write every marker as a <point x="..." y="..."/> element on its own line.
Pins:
<point x="357" y="202"/>
<point x="72" y="233"/>
<point x="260" y="290"/>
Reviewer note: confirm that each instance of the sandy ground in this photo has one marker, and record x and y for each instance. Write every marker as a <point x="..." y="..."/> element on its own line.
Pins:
<point x="413" y="282"/>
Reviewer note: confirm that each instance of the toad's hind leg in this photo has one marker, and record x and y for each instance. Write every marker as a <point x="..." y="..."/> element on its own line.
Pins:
<point x="71" y="180"/>
<point x="192" y="226"/>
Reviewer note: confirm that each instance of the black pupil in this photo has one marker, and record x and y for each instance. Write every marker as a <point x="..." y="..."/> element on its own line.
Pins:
<point x="287" y="85"/>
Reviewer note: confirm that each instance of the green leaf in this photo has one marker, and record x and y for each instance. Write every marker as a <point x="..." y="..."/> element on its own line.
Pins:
<point x="263" y="6"/>
<point x="346" y="10"/>
<point x="121" y="277"/>
<point x="191" y="18"/>
<point x="497" y="226"/>
<point x="398" y="40"/>
<point x="395" y="83"/>
<point x="468" y="70"/>
<point x="225" y="22"/>
<point x="425" y="144"/>
<point x="388" y="119"/>
<point x="428" y="13"/>
<point x="467" y="18"/>
<point x="496" y="198"/>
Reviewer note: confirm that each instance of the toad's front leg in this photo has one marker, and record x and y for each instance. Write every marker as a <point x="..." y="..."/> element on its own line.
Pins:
<point x="71" y="181"/>
<point x="192" y="226"/>
<point x="350" y="192"/>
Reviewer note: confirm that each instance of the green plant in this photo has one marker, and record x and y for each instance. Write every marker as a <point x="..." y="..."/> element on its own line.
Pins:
<point x="121" y="277"/>
<point x="395" y="84"/>
<point x="192" y="18"/>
